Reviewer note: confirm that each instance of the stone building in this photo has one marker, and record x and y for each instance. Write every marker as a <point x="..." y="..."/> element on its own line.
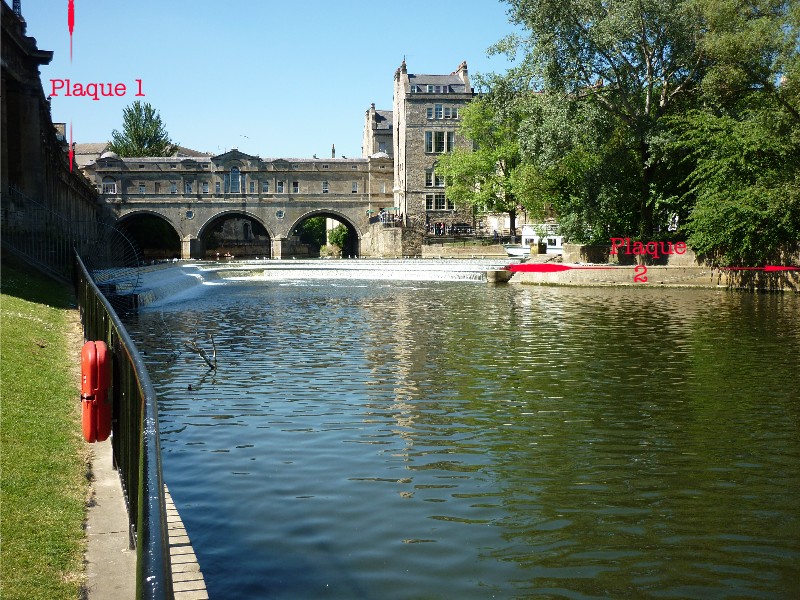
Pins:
<point x="193" y="193"/>
<point x="427" y="113"/>
<point x="44" y="198"/>
<point x="394" y="181"/>
<point x="377" y="133"/>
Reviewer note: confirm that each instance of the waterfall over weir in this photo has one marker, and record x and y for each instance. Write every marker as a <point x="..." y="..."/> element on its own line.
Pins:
<point x="173" y="281"/>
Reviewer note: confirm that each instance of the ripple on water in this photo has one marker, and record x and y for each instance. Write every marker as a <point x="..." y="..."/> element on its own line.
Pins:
<point x="449" y="440"/>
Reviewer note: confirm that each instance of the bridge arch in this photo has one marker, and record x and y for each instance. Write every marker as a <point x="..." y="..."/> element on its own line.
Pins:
<point x="154" y="234"/>
<point x="234" y="232"/>
<point x="354" y="233"/>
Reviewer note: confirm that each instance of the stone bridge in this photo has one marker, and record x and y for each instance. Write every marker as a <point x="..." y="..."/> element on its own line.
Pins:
<point x="194" y="194"/>
<point x="192" y="220"/>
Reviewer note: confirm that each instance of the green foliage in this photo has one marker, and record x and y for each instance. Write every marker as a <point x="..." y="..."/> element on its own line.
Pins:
<point x="312" y="231"/>
<point x="143" y="133"/>
<point x="338" y="236"/>
<point x="619" y="67"/>
<point x="635" y="112"/>
<point x="483" y="177"/>
<point x="747" y="184"/>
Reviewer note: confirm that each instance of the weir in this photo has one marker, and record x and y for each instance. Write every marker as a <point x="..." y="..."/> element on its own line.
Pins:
<point x="172" y="281"/>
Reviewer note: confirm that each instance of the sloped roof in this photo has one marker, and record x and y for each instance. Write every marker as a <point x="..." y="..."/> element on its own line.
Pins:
<point x="383" y="119"/>
<point x="453" y="81"/>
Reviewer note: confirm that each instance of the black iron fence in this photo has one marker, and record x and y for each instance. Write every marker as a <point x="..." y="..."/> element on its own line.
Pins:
<point x="135" y="442"/>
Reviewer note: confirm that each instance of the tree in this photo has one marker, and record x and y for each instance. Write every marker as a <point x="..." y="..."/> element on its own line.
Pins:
<point x="312" y="232"/>
<point x="635" y="60"/>
<point x="338" y="236"/>
<point x="483" y="176"/>
<point x="143" y="133"/>
<point x="743" y="140"/>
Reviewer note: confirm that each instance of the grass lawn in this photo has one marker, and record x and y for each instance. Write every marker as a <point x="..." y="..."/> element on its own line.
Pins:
<point x="43" y="459"/>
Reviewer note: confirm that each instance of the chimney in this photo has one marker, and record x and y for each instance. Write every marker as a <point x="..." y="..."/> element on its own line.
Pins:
<point x="463" y="74"/>
<point x="333" y="150"/>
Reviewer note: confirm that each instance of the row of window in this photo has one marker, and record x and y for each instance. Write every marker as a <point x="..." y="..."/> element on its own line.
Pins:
<point x="439" y="111"/>
<point x="438" y="202"/>
<point x="430" y="89"/>
<point x="234" y="169"/>
<point x="231" y="186"/>
<point x="440" y="141"/>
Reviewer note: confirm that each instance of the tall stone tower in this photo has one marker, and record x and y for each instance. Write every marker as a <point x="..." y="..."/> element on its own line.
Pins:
<point x="427" y="112"/>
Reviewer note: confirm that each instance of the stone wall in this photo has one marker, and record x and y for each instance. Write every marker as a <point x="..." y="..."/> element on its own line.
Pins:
<point x="470" y="251"/>
<point x="601" y="254"/>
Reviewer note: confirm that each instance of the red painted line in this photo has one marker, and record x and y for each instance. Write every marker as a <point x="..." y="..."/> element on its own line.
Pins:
<point x="549" y="268"/>
<point x="71" y="150"/>
<point x="767" y="268"/>
<point x="70" y="24"/>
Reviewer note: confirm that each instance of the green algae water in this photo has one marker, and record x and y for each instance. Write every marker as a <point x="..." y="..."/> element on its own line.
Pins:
<point x="405" y="440"/>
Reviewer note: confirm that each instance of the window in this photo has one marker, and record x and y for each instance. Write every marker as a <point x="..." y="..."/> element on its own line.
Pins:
<point x="430" y="89"/>
<point x="432" y="179"/>
<point x="205" y="187"/>
<point x="324" y="166"/>
<point x="295" y="187"/>
<point x="216" y="187"/>
<point x="437" y="111"/>
<point x="188" y="187"/>
<point x="324" y="187"/>
<point x="109" y="185"/>
<point x="142" y="188"/>
<point x="439" y="141"/>
<point x="141" y="166"/>
<point x="383" y="188"/>
<point x="279" y="187"/>
<point x="172" y="166"/>
<point x="451" y="112"/>
<point x="355" y="188"/>
<point x="437" y="202"/>
<point x="235" y="180"/>
<point x="430" y="113"/>
<point x="354" y="167"/>
<point x="381" y="146"/>
<point x="173" y="188"/>
<point x="252" y="187"/>
<point x="265" y="187"/>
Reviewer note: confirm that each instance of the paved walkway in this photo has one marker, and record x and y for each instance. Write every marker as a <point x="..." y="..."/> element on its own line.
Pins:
<point x="111" y="563"/>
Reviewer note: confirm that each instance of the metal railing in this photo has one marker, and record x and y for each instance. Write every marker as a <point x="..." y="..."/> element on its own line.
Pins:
<point x="136" y="447"/>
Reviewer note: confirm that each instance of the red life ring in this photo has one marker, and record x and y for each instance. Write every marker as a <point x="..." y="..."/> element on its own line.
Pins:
<point x="95" y="405"/>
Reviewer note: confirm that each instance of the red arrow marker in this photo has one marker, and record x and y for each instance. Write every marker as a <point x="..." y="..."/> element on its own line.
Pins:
<point x="547" y="268"/>
<point x="70" y="24"/>
<point x="767" y="269"/>
<point x="71" y="150"/>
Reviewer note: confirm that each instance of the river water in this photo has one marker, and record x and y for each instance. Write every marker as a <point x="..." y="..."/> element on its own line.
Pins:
<point x="399" y="440"/>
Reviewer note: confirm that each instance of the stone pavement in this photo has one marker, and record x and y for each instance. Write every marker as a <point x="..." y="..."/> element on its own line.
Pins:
<point x="110" y="562"/>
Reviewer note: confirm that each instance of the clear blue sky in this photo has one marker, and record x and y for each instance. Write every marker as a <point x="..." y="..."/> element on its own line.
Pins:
<point x="273" y="78"/>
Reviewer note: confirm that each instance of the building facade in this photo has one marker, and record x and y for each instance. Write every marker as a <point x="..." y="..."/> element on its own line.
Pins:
<point x="427" y="113"/>
<point x="43" y="198"/>
<point x="194" y="193"/>
<point x="394" y="178"/>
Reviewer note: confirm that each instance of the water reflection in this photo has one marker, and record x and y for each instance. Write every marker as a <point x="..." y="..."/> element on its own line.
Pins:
<point x="407" y="440"/>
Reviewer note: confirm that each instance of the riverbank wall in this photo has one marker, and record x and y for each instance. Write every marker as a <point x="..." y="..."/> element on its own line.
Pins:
<point x="596" y="266"/>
